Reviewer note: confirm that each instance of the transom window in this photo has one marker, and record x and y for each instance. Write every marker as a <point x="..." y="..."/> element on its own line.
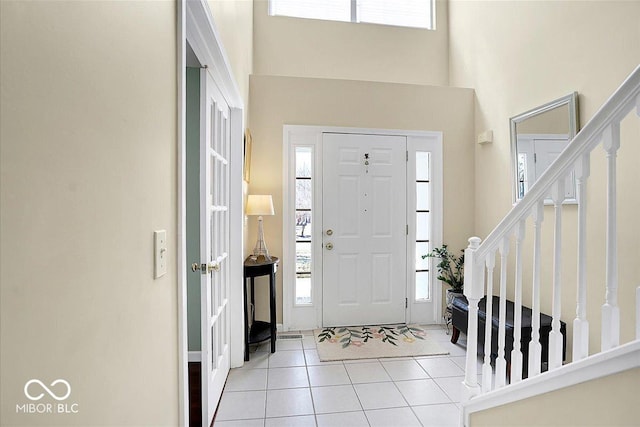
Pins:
<point x="402" y="13"/>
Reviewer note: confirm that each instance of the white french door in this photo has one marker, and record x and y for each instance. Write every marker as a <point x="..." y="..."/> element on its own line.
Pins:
<point x="364" y="231"/>
<point x="214" y="243"/>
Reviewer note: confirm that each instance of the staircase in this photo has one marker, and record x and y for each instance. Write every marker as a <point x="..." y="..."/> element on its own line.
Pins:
<point x="497" y="387"/>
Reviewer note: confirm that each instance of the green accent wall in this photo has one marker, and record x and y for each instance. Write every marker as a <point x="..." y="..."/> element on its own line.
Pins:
<point x="193" y="206"/>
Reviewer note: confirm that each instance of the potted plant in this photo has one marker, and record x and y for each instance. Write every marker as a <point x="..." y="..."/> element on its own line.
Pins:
<point x="450" y="271"/>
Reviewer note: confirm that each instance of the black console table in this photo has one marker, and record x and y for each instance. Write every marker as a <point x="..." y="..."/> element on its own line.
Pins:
<point x="258" y="331"/>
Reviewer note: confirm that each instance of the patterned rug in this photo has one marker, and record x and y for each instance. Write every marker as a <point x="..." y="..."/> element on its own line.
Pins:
<point x="374" y="342"/>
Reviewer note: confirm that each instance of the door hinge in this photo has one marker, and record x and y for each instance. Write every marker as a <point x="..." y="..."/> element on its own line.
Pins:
<point x="535" y="157"/>
<point x="407" y="155"/>
<point x="407" y="229"/>
<point x="406" y="303"/>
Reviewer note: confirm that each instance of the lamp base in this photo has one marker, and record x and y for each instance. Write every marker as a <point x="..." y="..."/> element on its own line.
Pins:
<point x="260" y="251"/>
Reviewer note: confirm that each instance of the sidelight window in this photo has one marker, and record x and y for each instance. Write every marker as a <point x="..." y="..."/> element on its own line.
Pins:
<point x="423" y="225"/>
<point x="303" y="224"/>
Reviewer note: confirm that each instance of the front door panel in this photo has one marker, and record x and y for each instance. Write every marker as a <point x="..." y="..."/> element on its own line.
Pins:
<point x="364" y="235"/>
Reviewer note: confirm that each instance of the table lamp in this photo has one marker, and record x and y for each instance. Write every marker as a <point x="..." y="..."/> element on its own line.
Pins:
<point x="260" y="204"/>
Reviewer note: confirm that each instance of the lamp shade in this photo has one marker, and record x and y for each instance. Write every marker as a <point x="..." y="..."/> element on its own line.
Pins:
<point x="259" y="204"/>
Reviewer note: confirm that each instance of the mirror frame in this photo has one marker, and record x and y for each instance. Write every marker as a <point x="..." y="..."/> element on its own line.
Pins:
<point x="571" y="101"/>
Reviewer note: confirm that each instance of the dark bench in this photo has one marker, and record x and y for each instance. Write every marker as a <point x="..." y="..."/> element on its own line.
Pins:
<point x="459" y="317"/>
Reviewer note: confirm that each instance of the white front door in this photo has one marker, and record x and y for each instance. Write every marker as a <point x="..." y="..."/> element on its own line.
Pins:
<point x="546" y="152"/>
<point x="214" y="242"/>
<point x="364" y="229"/>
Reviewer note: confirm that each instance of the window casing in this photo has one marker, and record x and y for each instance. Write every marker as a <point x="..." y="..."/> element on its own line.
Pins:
<point x="401" y="13"/>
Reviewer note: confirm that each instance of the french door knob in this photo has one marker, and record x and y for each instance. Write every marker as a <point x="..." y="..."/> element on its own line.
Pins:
<point x="329" y="246"/>
<point x="205" y="268"/>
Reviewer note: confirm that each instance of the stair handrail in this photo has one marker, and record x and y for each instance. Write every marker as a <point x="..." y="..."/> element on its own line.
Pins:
<point x="603" y="128"/>
<point x="615" y="108"/>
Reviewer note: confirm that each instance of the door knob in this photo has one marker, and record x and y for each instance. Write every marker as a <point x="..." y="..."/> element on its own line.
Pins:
<point x="205" y="268"/>
<point x="329" y="246"/>
<point x="329" y="232"/>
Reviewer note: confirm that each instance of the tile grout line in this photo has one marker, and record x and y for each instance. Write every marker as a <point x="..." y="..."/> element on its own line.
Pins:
<point x="353" y="385"/>
<point x="306" y="369"/>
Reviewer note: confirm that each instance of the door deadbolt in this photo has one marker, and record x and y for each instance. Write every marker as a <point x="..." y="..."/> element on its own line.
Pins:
<point x="329" y="232"/>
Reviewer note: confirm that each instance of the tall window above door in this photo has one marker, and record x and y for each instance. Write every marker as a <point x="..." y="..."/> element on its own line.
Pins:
<point x="303" y="224"/>
<point x="401" y="13"/>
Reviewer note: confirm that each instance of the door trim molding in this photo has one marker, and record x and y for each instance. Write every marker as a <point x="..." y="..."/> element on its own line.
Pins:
<point x="195" y="25"/>
<point x="310" y="317"/>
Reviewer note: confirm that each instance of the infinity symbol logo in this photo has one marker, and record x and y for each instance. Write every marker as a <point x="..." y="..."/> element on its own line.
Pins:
<point x="52" y="394"/>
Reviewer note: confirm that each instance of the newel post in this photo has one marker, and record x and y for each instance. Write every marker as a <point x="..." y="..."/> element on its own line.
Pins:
<point x="473" y="290"/>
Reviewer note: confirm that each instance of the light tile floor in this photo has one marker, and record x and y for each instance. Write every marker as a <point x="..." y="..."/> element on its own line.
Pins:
<point x="291" y="387"/>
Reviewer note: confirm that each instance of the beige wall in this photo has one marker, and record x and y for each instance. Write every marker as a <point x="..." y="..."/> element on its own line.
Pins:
<point x="583" y="46"/>
<point x="608" y="401"/>
<point x="276" y="101"/>
<point x="234" y="22"/>
<point x="339" y="50"/>
<point x="88" y="172"/>
<point x="529" y="54"/>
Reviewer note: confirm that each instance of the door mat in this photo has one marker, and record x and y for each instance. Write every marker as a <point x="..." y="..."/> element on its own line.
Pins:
<point x="374" y="342"/>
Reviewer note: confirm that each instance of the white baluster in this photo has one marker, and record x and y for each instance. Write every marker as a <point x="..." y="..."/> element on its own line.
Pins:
<point x="580" y="323"/>
<point x="516" y="353"/>
<point x="486" y="367"/>
<point x="473" y="290"/>
<point x="610" y="309"/>
<point x="535" y="349"/>
<point x="501" y="362"/>
<point x="555" y="336"/>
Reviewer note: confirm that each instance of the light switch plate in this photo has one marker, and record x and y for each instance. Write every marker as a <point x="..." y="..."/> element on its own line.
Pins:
<point x="160" y="253"/>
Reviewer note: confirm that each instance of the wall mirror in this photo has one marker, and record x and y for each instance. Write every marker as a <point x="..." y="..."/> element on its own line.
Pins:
<point x="538" y="136"/>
